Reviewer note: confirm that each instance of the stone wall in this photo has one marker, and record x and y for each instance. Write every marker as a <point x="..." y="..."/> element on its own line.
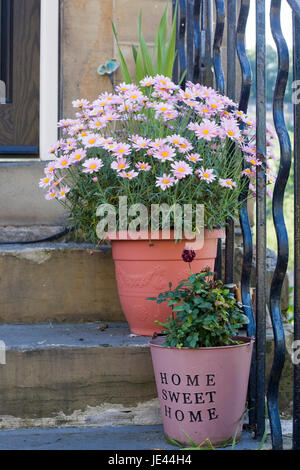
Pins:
<point x="88" y="41"/>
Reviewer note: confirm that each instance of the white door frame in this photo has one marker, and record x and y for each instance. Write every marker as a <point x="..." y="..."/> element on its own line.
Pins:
<point x="49" y="71"/>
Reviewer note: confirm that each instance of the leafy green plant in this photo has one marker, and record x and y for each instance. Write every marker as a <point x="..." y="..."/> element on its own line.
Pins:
<point x="161" y="61"/>
<point x="204" y="313"/>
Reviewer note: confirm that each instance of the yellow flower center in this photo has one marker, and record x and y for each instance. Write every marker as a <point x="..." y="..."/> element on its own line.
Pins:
<point x="181" y="170"/>
<point x="163" y="108"/>
<point x="165" y="154"/>
<point x="64" y="163"/>
<point x="206" y="175"/>
<point x="121" y="151"/>
<point x="231" y="133"/>
<point x="206" y="132"/>
<point x="93" y="166"/>
<point x="133" y="97"/>
<point x="47" y="180"/>
<point x="165" y="181"/>
<point x="229" y="183"/>
<point x="121" y="166"/>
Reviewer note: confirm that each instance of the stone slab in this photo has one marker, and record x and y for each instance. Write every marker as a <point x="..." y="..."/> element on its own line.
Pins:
<point x="52" y="370"/>
<point x="107" y="438"/>
<point x="58" y="282"/>
<point x="22" y="202"/>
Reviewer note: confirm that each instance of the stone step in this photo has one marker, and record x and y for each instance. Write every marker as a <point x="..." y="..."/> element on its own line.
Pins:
<point x="88" y="374"/>
<point x="146" y="437"/>
<point x="59" y="282"/>
<point x="75" y="373"/>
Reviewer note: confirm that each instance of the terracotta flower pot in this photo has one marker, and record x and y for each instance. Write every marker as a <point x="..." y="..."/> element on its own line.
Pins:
<point x="202" y="392"/>
<point x="145" y="268"/>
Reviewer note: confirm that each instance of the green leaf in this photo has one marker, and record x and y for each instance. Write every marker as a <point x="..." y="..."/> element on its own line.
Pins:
<point x="134" y="53"/>
<point x="146" y="56"/>
<point x="139" y="67"/>
<point x="124" y="68"/>
<point x="171" y="48"/>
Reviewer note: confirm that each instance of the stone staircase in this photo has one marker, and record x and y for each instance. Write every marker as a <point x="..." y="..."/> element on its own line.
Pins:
<point x="70" y="358"/>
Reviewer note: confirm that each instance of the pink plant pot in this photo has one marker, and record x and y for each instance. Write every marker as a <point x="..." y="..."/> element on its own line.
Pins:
<point x="202" y="392"/>
<point x="145" y="268"/>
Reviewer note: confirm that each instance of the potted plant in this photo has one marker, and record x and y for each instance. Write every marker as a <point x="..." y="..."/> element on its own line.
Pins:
<point x="201" y="362"/>
<point x="142" y="150"/>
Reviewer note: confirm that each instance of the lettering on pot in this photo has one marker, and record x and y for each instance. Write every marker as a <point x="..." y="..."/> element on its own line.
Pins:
<point x="177" y="401"/>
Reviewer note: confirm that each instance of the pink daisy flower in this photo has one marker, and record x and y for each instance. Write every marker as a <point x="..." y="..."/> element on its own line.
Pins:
<point x="165" y="153"/>
<point x="121" y="149"/>
<point x="147" y="81"/>
<point x="91" y="165"/>
<point x="45" y="182"/>
<point x="194" y="157"/>
<point x="157" y="143"/>
<point x="206" y="175"/>
<point x="50" y="168"/>
<point x="250" y="172"/>
<point x="78" y="155"/>
<point x="80" y="104"/>
<point x="207" y="130"/>
<point x="249" y="150"/>
<point x="231" y="129"/>
<point x="91" y="140"/>
<point x="253" y="160"/>
<point x="181" y="169"/>
<point x="143" y="166"/>
<point x="120" y="165"/>
<point x="63" y="192"/>
<point x="164" y="83"/>
<point x="51" y="195"/>
<point x="166" y="181"/>
<point x="65" y="123"/>
<point x="141" y="143"/>
<point x="130" y="175"/>
<point x="63" y="162"/>
<point x="227" y="183"/>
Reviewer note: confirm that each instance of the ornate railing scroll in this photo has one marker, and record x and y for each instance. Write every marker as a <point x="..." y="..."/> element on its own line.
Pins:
<point x="279" y="222"/>
<point x="296" y="78"/>
<point x="246" y="73"/>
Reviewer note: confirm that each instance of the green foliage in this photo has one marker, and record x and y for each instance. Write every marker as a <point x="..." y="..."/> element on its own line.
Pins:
<point x="204" y="313"/>
<point x="161" y="61"/>
<point x="272" y="70"/>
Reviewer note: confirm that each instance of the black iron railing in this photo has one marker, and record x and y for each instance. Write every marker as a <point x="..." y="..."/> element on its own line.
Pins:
<point x="200" y="42"/>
